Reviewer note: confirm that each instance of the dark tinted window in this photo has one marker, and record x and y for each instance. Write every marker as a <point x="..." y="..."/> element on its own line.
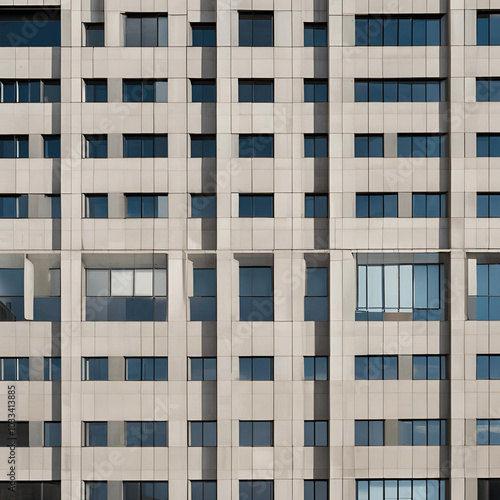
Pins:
<point x="369" y="433"/>
<point x="52" y="369"/>
<point x="315" y="35"/>
<point x="316" y="299"/>
<point x="488" y="367"/>
<point x="316" y="205"/>
<point x="146" y="368"/>
<point x="52" y="146"/>
<point x="30" y="28"/>
<point x="52" y="434"/>
<point x="94" y="368"/>
<point x="203" y="206"/>
<point x="421" y="146"/>
<point x="488" y="89"/>
<point x="96" y="90"/>
<point x="203" y="90"/>
<point x="202" y="433"/>
<point x="422" y="432"/>
<point x="315" y="145"/>
<point x="256" y="146"/>
<point x="315" y="489"/>
<point x="51" y="91"/>
<point x="145" y="90"/>
<point x="203" y="146"/>
<point x="145" y="146"/>
<point x="315" y="433"/>
<point x="146" y="30"/>
<point x="369" y="146"/>
<point x="256" y="294"/>
<point x="376" y="368"/>
<point x="146" y="433"/>
<point x="412" y="90"/>
<point x="429" y="205"/>
<point x="14" y="146"/>
<point x="203" y="369"/>
<point x="13" y="207"/>
<point x="315" y="368"/>
<point x="96" y="146"/>
<point x="377" y="205"/>
<point x="96" y="206"/>
<point x="255" y="90"/>
<point x="203" y="34"/>
<point x="147" y="206"/>
<point x="258" y="368"/>
<point x="94" y="34"/>
<point x="145" y="490"/>
<point x="96" y="434"/>
<point x="256" y="29"/>
<point x="429" y="367"/>
<point x="256" y="433"/>
<point x="203" y="303"/>
<point x="256" y="205"/>
<point x="315" y="90"/>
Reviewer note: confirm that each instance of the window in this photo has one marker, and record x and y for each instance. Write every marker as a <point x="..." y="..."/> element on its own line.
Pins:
<point x="413" y="90"/>
<point x="256" y="146"/>
<point x="12" y="296"/>
<point x="488" y="366"/>
<point x="203" y="146"/>
<point x="257" y="368"/>
<point x="51" y="369"/>
<point x="429" y="204"/>
<point x="422" y="432"/>
<point x="145" y="490"/>
<point x="316" y="205"/>
<point x="315" y="90"/>
<point x="145" y="146"/>
<point x="256" y="433"/>
<point x="34" y="490"/>
<point x="22" y="432"/>
<point x="421" y="146"/>
<point x="52" y="146"/>
<point x="147" y="206"/>
<point x="14" y="207"/>
<point x="369" y="146"/>
<point x="203" y="34"/>
<point x="30" y="28"/>
<point x="146" y="30"/>
<point x="145" y="91"/>
<point x="417" y="289"/>
<point x="429" y="367"/>
<point x="126" y="295"/>
<point x="488" y="489"/>
<point x="14" y="146"/>
<point x="203" y="303"/>
<point x="315" y="489"/>
<point x="51" y="90"/>
<point x="202" y="433"/>
<point x="256" y="29"/>
<point x="94" y="35"/>
<point x="55" y="206"/>
<point x="315" y="35"/>
<point x="256" y="205"/>
<point x="203" y="90"/>
<point x="402" y="489"/>
<point x="488" y="432"/>
<point x="256" y="490"/>
<point x="400" y="30"/>
<point x="203" y="206"/>
<point x="256" y="294"/>
<point x="376" y="368"/>
<point x="52" y="434"/>
<point x="96" y="206"/>
<point x="94" y="368"/>
<point x="315" y="433"/>
<point x="488" y="205"/>
<point x="315" y="368"/>
<point x="146" y="368"/>
<point x="377" y="205"/>
<point x="316" y="299"/>
<point x="488" y="292"/>
<point x="96" y="146"/>
<point x="369" y="433"/>
<point x="96" y="434"/>
<point x="96" y="490"/>
<point x="96" y="91"/>
<point x="146" y="433"/>
<point x="203" y="490"/>
<point x="202" y="368"/>
<point x="14" y="368"/>
<point x="488" y="26"/>
<point x="21" y="90"/>
<point x="487" y="89"/>
<point x="488" y="145"/>
<point x="255" y="90"/>
<point x="315" y="145"/>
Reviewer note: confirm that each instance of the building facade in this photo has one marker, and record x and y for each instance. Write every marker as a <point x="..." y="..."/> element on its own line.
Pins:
<point x="241" y="253"/>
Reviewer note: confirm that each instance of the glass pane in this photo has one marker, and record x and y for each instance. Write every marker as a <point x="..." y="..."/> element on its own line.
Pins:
<point x="149" y="34"/>
<point x="147" y="369"/>
<point x="376" y="433"/>
<point x="433" y="431"/>
<point x="161" y="91"/>
<point x="133" y="368"/>
<point x="433" y="367"/>
<point x="391" y="288"/>
<point x="133" y="32"/>
<point x="122" y="283"/>
<point x="361" y="433"/>
<point x="317" y="279"/>
<point x="482" y="90"/>
<point x="262" y="369"/>
<point x="209" y="433"/>
<point x="204" y="283"/>
<point x="263" y="31"/>
<point x="160" y="283"/>
<point x="360" y="91"/>
<point x="196" y="368"/>
<point x="321" y="368"/>
<point x="143" y="285"/>
<point x="361" y="368"/>
<point x="162" y="31"/>
<point x="374" y="288"/>
<point x="390" y="367"/>
<point x="245" y="91"/>
<point x="97" y="434"/>
<point x="361" y="205"/>
<point x="210" y="369"/>
<point x="97" y="283"/>
<point x="160" y="434"/>
<point x="147" y="91"/>
<point x="361" y="30"/>
<point x="390" y="32"/>
<point x="245" y="368"/>
<point x="361" y="146"/>
<point x="134" y="204"/>
<point x="262" y="434"/>
<point x="419" y="367"/>
<point x="405" y="433"/>
<point x="405" y="32"/>
<point x="375" y="368"/>
<point x="51" y="91"/>
<point x="420" y="286"/>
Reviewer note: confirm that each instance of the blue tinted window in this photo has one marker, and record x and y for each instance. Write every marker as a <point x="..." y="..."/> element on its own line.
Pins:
<point x="256" y="490"/>
<point x="145" y="490"/>
<point x="256" y="433"/>
<point x="259" y="368"/>
<point x="51" y="369"/>
<point x="52" y="434"/>
<point x="96" y="490"/>
<point x="14" y="146"/>
<point x="316" y="299"/>
<point x="96" y="91"/>
<point x="17" y="28"/>
<point x="412" y="90"/>
<point x="27" y="91"/>
<point x="14" y="207"/>
<point x="203" y="490"/>
<point x="429" y="205"/>
<point x="145" y="91"/>
<point x="488" y="145"/>
<point x="94" y="368"/>
<point x="315" y="90"/>
<point x="203" y="433"/>
<point x="376" y="368"/>
<point x="145" y="146"/>
<point x="488" y="89"/>
<point x="316" y="205"/>
<point x="203" y="34"/>
<point x="146" y="369"/>
<point x="203" y="369"/>
<point x="256" y="205"/>
<point x="96" y="434"/>
<point x="315" y="433"/>
<point x="97" y="206"/>
<point x="203" y="304"/>
<point x="376" y="205"/>
<point x="315" y="35"/>
<point x="146" y="433"/>
<point x="429" y="367"/>
<point x="256" y="294"/>
<point x="421" y="146"/>
<point x="256" y="146"/>
<point x="52" y="146"/>
<point x="96" y="146"/>
<point x="369" y="433"/>
<point x="315" y="146"/>
<point x="203" y="146"/>
<point x="315" y="368"/>
<point x="51" y="91"/>
<point x="369" y="146"/>
<point x="256" y="29"/>
<point x="147" y="206"/>
<point x="488" y="24"/>
<point x="203" y="90"/>
<point x="94" y="34"/>
<point x="255" y="90"/>
<point x="146" y="30"/>
<point x="488" y="367"/>
<point x="203" y="206"/>
<point x="14" y="368"/>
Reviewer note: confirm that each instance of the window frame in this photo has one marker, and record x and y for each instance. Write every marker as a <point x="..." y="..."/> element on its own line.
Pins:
<point x="248" y="143"/>
<point x="315" y="26"/>
<point x="315" y="431"/>
<point x="203" y="27"/>
<point x="203" y="431"/>
<point x="386" y="205"/>
<point x="143" y="435"/>
<point x="143" y="16"/>
<point x="252" y="424"/>
<point x="87" y="368"/>
<point x="365" y="87"/>
<point x="255" y="83"/>
<point x="315" y="138"/>
<point x="142" y="138"/>
<point x="253" y="16"/>
<point x="253" y="368"/>
<point x="442" y="366"/>
<point x="155" y="375"/>
<point x="19" y="368"/>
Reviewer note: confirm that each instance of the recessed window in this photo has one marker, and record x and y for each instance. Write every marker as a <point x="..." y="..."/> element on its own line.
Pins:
<point x="22" y="434"/>
<point x="411" y="90"/>
<point x="256" y="433"/>
<point x="377" y="205"/>
<point x="315" y="146"/>
<point x="203" y="146"/>
<point x="203" y="303"/>
<point x="406" y="489"/>
<point x="316" y="205"/>
<point x="146" y="434"/>
<point x="487" y="489"/>
<point x="96" y="490"/>
<point x="202" y="368"/>
<point x="52" y="146"/>
<point x="315" y="489"/>
<point x="145" y="146"/>
<point x="146" y="490"/>
<point x="14" y="146"/>
<point x="256" y="294"/>
<point x="315" y="433"/>
<point x="203" y="490"/>
<point x="203" y="90"/>
<point x="144" y="206"/>
<point x="145" y="91"/>
<point x="203" y="34"/>
<point x="256" y="146"/>
<point x="96" y="146"/>
<point x="146" y="368"/>
<point x="52" y="434"/>
<point x="376" y="368"/>
<point x="488" y="28"/>
<point x="256" y="490"/>
<point x="422" y="432"/>
<point x="94" y="368"/>
<point x="96" y="206"/>
<point x="51" y="369"/>
<point x="488" y="432"/>
<point x="51" y="90"/>
<point x="203" y="206"/>
<point x="487" y="89"/>
<point x="369" y="146"/>
<point x="20" y="90"/>
<point x="28" y="27"/>
<point x="315" y="35"/>
<point x="429" y="205"/>
<point x="369" y="433"/>
<point x="421" y="146"/>
<point x="256" y="205"/>
<point x="256" y="29"/>
<point x="315" y="368"/>
<point x="146" y="30"/>
<point x="256" y="368"/>
<point x="94" y="35"/>
<point x="488" y="367"/>
<point x="429" y="367"/>
<point x="316" y="299"/>
<point x="202" y="433"/>
<point x="315" y="90"/>
<point x="255" y="90"/>
<point x="14" y="368"/>
<point x="14" y="207"/>
<point x="96" y="90"/>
